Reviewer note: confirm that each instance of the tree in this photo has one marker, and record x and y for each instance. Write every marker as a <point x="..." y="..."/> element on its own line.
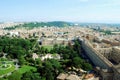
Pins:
<point x="22" y="60"/>
<point x="15" y="46"/>
<point x="38" y="62"/>
<point x="87" y="66"/>
<point x="42" y="50"/>
<point x="66" y="56"/>
<point x="1" y="49"/>
<point x="31" y="76"/>
<point x="15" y="76"/>
<point x="108" y="32"/>
<point x="55" y="48"/>
<point x="77" y="62"/>
<point x="48" y="70"/>
<point x="49" y="75"/>
<point x="56" y="65"/>
<point x="77" y="46"/>
<point x="3" y="79"/>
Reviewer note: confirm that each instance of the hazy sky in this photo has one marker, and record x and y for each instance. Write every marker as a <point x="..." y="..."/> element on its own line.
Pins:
<point x="60" y="10"/>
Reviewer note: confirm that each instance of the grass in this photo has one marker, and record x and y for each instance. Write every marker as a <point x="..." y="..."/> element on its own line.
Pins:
<point x="49" y="47"/>
<point x="5" y="71"/>
<point x="26" y="68"/>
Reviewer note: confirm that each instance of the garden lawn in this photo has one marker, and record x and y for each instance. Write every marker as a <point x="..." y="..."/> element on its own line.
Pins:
<point x="49" y="47"/>
<point x="26" y="68"/>
<point x="11" y="69"/>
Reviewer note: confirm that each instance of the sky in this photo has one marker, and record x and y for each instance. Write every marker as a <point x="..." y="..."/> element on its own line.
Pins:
<point x="97" y="11"/>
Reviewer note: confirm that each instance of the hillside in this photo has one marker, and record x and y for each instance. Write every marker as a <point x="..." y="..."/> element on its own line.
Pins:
<point x="31" y="25"/>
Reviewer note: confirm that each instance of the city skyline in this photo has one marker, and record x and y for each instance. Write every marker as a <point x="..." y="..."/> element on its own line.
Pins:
<point x="104" y="11"/>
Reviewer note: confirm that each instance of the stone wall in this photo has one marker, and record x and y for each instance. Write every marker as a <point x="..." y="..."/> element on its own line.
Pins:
<point x="97" y="58"/>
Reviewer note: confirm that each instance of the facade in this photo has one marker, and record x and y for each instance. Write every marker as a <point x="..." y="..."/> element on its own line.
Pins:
<point x="52" y="41"/>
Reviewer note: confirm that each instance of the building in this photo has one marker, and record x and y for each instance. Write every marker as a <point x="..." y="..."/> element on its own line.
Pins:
<point x="108" y="70"/>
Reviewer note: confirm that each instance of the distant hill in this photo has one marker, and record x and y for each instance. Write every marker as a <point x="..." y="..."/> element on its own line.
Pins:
<point x="32" y="25"/>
